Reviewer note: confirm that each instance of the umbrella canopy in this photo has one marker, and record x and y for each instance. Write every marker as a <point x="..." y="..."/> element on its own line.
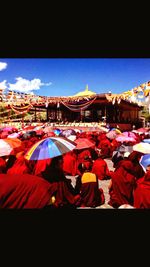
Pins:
<point x="83" y="143"/>
<point x="29" y="127"/>
<point x="9" y="128"/>
<point x="57" y="132"/>
<point x="7" y="145"/>
<point x="116" y="130"/>
<point x="48" y="129"/>
<point x="103" y="129"/>
<point x="142" y="130"/>
<point x="49" y="147"/>
<point x="72" y="137"/>
<point x="146" y="141"/>
<point x="112" y="134"/>
<point x="126" y="137"/>
<point x="67" y="132"/>
<point x="142" y="147"/>
<point x="129" y="134"/>
<point x="123" y="138"/>
<point x="145" y="161"/>
<point x="124" y="149"/>
<point x="13" y="135"/>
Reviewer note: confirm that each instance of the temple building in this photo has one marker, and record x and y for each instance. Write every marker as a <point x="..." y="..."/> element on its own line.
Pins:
<point x="85" y="106"/>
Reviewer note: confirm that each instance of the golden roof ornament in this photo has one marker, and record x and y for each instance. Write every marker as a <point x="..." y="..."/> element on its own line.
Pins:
<point x="86" y="92"/>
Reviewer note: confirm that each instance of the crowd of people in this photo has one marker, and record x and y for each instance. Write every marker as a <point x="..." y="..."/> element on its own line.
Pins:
<point x="72" y="179"/>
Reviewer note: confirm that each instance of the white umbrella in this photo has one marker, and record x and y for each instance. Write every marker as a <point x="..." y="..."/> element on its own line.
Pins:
<point x="142" y="147"/>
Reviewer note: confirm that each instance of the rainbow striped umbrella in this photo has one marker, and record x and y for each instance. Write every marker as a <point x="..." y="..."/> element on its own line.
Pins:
<point x="49" y="147"/>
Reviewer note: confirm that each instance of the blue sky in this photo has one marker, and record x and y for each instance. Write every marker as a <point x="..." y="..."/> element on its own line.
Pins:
<point x="68" y="76"/>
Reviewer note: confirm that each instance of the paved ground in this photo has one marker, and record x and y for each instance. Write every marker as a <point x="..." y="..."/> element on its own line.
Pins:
<point x="104" y="183"/>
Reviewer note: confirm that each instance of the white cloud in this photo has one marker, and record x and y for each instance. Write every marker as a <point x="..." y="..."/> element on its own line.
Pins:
<point x="26" y="86"/>
<point x="3" y="84"/>
<point x="3" y="66"/>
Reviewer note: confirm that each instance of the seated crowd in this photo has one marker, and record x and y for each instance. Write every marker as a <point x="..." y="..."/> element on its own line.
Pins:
<point x="72" y="179"/>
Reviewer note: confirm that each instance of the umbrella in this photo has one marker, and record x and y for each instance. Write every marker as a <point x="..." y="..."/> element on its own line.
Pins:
<point x="112" y="134"/>
<point x="67" y="132"/>
<point x="7" y="145"/>
<point x="146" y="141"/>
<point x="145" y="161"/>
<point x="142" y="147"/>
<point x="72" y="137"/>
<point x="48" y="129"/>
<point x="124" y="149"/>
<point x="116" y="130"/>
<point x="9" y="128"/>
<point x="29" y="127"/>
<point x="13" y="135"/>
<point x="83" y="143"/>
<point x="103" y="129"/>
<point x="49" y="147"/>
<point x="142" y="130"/>
<point x="57" y="132"/>
<point x="123" y="138"/>
<point x="129" y="134"/>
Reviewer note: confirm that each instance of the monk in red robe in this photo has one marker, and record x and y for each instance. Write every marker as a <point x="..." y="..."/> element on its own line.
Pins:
<point x="40" y="166"/>
<point x="90" y="193"/>
<point x="142" y="192"/>
<point x="54" y="174"/>
<point x="70" y="163"/>
<point x="25" y="191"/>
<point x="100" y="168"/>
<point x="20" y="166"/>
<point x="105" y="146"/>
<point x="2" y="165"/>
<point x="122" y="184"/>
<point x="135" y="157"/>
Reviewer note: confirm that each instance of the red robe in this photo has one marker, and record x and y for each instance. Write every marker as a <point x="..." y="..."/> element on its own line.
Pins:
<point x="19" y="167"/>
<point x="105" y="146"/>
<point x="123" y="184"/>
<point x="40" y="166"/>
<point x="2" y="165"/>
<point x="24" y="191"/>
<point x="70" y="163"/>
<point x="142" y="192"/>
<point x="91" y="195"/>
<point x="100" y="168"/>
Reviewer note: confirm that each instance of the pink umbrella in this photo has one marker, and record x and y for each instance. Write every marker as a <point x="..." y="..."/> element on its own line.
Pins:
<point x="125" y="139"/>
<point x="112" y="134"/>
<point x="9" y="128"/>
<point x="129" y="134"/>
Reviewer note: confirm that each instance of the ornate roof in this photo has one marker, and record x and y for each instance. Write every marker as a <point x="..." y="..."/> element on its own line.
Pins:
<point x="86" y="92"/>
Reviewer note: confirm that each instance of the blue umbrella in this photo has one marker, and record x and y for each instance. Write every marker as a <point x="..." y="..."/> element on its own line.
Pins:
<point x="145" y="161"/>
<point x="146" y="141"/>
<point x="57" y="131"/>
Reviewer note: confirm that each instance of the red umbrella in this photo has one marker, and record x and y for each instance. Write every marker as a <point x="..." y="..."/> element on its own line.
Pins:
<point x="143" y="130"/>
<point x="29" y="127"/>
<point x="83" y="143"/>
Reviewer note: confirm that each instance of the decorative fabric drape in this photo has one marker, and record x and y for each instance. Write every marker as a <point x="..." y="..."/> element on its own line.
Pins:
<point x="21" y="110"/>
<point x="78" y="107"/>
